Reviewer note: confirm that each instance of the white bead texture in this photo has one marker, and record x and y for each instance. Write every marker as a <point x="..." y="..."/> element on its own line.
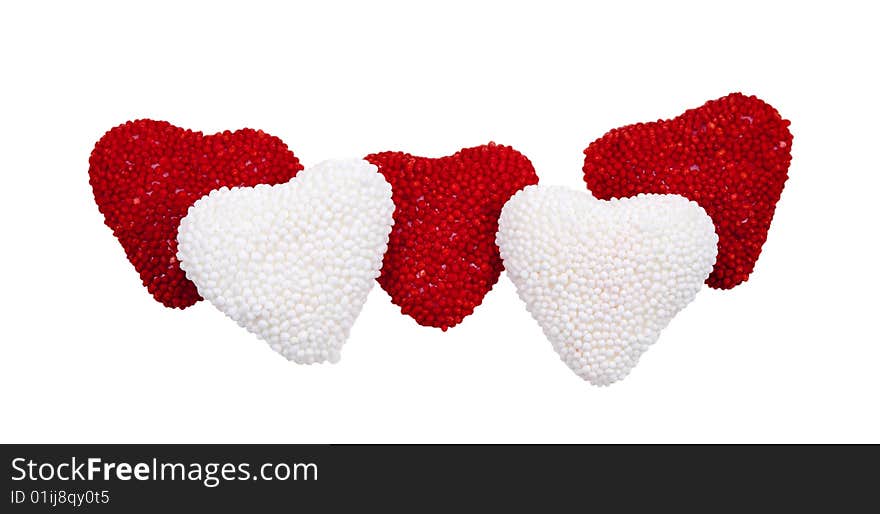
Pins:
<point x="604" y="278"/>
<point x="292" y="263"/>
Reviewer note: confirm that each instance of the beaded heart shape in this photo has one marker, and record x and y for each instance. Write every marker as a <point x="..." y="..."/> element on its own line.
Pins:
<point x="145" y="174"/>
<point x="442" y="258"/>
<point x="731" y="156"/>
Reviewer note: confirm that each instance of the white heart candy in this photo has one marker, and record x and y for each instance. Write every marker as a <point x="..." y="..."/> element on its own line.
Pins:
<point x="603" y="278"/>
<point x="292" y="263"/>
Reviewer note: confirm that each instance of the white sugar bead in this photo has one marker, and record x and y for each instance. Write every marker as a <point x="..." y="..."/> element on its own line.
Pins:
<point x="292" y="263"/>
<point x="604" y="278"/>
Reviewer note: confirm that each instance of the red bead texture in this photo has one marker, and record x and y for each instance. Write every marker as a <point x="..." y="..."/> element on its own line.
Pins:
<point x="442" y="258"/>
<point x="146" y="174"/>
<point x="731" y="156"/>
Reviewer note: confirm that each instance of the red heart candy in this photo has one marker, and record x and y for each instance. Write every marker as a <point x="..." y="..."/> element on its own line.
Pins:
<point x="731" y="156"/>
<point x="146" y="174"/>
<point x="442" y="258"/>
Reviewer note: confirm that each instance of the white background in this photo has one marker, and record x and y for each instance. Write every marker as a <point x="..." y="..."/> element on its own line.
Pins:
<point x="88" y="356"/>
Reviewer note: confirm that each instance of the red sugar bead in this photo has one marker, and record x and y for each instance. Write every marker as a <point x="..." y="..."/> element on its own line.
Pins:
<point x="146" y="174"/>
<point x="442" y="259"/>
<point x="731" y="156"/>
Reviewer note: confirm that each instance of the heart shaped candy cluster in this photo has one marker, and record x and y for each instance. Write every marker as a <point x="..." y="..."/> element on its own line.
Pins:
<point x="291" y="255"/>
<point x="292" y="263"/>
<point x="145" y="174"/>
<point x="731" y="156"/>
<point x="603" y="278"/>
<point x="442" y="258"/>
